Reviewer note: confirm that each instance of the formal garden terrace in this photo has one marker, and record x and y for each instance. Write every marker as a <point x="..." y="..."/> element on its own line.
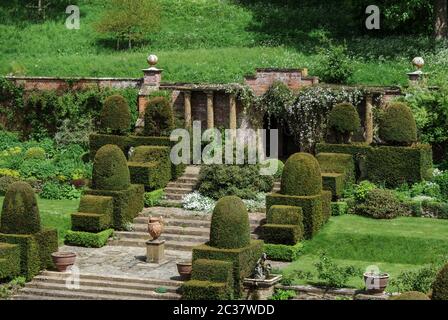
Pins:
<point x="93" y="206"/>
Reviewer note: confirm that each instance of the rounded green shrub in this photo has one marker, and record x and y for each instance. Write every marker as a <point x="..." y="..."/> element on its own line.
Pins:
<point x="110" y="170"/>
<point x="230" y="227"/>
<point x="343" y="121"/>
<point x="301" y="176"/>
<point x="20" y="213"/>
<point x="397" y="125"/>
<point x="440" y="285"/>
<point x="159" y="118"/>
<point x="380" y="204"/>
<point x="35" y="153"/>
<point x="220" y="180"/>
<point x="115" y="116"/>
<point x="411" y="295"/>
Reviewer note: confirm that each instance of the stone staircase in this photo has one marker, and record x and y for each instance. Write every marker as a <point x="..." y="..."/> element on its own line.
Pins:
<point x="175" y="190"/>
<point x="183" y="229"/>
<point x="276" y="187"/>
<point x="52" y="286"/>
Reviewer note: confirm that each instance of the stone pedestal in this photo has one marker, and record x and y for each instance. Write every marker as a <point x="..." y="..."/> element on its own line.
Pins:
<point x="155" y="251"/>
<point x="256" y="289"/>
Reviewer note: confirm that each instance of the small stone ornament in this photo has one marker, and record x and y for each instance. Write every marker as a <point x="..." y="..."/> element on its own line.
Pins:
<point x="263" y="269"/>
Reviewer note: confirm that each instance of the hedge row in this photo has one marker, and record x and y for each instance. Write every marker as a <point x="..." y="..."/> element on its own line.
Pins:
<point x="284" y="225"/>
<point x="282" y="252"/>
<point x="88" y="239"/>
<point x="389" y="165"/>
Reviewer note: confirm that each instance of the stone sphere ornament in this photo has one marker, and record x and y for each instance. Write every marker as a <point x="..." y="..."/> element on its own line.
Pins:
<point x="152" y="60"/>
<point x="418" y="62"/>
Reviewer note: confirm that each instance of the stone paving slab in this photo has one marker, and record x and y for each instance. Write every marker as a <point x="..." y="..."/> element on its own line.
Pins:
<point x="126" y="262"/>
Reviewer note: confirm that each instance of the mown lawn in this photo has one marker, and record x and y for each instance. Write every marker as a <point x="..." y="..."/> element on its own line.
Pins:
<point x="55" y="214"/>
<point x="394" y="246"/>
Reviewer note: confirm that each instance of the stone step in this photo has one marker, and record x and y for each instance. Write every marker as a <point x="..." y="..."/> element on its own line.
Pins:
<point x="182" y="191"/>
<point x="101" y="290"/>
<point x="119" y="279"/>
<point x="185" y="217"/>
<point x="190" y="176"/>
<point x="171" y="203"/>
<point x="170" y="245"/>
<point x="38" y="280"/>
<point x="140" y="227"/>
<point x="30" y="296"/>
<point x="173" y="196"/>
<point x="144" y="236"/>
<point x="187" y="180"/>
<point x="183" y="185"/>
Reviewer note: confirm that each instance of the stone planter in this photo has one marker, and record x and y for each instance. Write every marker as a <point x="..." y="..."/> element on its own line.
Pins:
<point x="376" y="283"/>
<point x="184" y="268"/>
<point x="257" y="289"/>
<point x="63" y="260"/>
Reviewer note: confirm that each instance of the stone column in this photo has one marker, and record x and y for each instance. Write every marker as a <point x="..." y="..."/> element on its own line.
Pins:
<point x="232" y="115"/>
<point x="187" y="109"/>
<point x="368" y="121"/>
<point x="210" y="116"/>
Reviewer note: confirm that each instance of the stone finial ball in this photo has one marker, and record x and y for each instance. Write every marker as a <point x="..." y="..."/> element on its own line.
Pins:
<point x="152" y="59"/>
<point x="419" y="62"/>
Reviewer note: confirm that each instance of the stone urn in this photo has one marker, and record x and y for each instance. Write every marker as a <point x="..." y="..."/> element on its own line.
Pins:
<point x="184" y="268"/>
<point x="155" y="227"/>
<point x="63" y="260"/>
<point x="376" y="283"/>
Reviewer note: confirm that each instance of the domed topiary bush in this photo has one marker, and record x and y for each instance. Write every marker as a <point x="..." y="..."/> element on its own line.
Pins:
<point x="301" y="176"/>
<point x="115" y="115"/>
<point x="5" y="182"/>
<point x="411" y="295"/>
<point x="230" y="228"/>
<point x="343" y="121"/>
<point x="397" y="125"/>
<point x="440" y="285"/>
<point x="20" y="214"/>
<point x="110" y="170"/>
<point x="159" y="118"/>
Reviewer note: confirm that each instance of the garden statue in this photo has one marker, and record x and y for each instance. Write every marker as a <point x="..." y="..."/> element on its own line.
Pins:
<point x="262" y="270"/>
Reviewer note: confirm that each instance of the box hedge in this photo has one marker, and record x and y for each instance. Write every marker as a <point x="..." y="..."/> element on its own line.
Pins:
<point x="440" y="285"/>
<point x="397" y="125"/>
<point x="281" y="233"/>
<point x="88" y="239"/>
<point x="311" y="208"/>
<point x="30" y="262"/>
<point x="338" y="163"/>
<point x="127" y="203"/>
<point x="282" y="252"/>
<point x="204" y="290"/>
<point x="326" y="206"/>
<point x="115" y="115"/>
<point x="9" y="260"/>
<point x="243" y="260"/>
<point x="339" y="208"/>
<point x="96" y="141"/>
<point x="281" y="214"/>
<point x="150" y="166"/>
<point x="394" y="166"/>
<point x="47" y="242"/>
<point x="94" y="214"/>
<point x="333" y="182"/>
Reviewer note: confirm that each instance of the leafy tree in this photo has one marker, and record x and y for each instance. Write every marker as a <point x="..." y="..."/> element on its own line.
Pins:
<point x="129" y="20"/>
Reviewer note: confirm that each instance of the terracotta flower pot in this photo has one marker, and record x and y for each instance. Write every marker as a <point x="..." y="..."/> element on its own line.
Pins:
<point x="184" y="268"/>
<point x="155" y="227"/>
<point x="376" y="283"/>
<point x="63" y="260"/>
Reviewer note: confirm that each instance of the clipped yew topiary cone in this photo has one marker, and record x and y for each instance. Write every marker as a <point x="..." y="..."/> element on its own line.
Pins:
<point x="115" y="115"/>
<point x="301" y="176"/>
<point x="110" y="170"/>
<point x="440" y="285"/>
<point x="20" y="213"/>
<point x="230" y="228"/>
<point x="343" y="121"/>
<point x="397" y="125"/>
<point x="159" y="117"/>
